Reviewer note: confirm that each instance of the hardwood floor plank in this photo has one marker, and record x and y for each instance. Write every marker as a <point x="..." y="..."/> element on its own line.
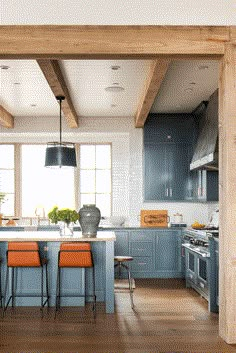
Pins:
<point x="168" y="318"/>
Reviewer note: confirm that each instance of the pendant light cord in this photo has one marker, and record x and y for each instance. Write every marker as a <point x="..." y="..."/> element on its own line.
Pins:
<point x="60" y="99"/>
<point x="60" y="121"/>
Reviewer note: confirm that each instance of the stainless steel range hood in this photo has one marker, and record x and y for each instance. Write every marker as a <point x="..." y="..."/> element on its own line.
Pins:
<point x="206" y="150"/>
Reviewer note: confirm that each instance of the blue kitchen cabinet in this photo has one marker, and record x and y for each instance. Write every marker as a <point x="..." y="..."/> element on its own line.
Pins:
<point x="207" y="185"/>
<point x="166" y="172"/>
<point x="214" y="274"/>
<point x="168" y="150"/>
<point x="142" y="249"/>
<point x="121" y="243"/>
<point x="168" y="254"/>
<point x="156" y="253"/>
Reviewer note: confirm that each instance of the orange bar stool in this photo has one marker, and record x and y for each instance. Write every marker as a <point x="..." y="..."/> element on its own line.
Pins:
<point x="77" y="255"/>
<point x="25" y="254"/>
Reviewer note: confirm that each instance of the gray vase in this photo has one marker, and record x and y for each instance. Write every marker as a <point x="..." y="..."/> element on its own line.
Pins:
<point x="89" y="218"/>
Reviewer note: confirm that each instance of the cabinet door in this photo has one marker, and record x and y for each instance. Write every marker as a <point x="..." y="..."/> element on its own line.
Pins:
<point x="178" y="170"/>
<point x="122" y="243"/>
<point x="167" y="255"/>
<point x="156" y="173"/>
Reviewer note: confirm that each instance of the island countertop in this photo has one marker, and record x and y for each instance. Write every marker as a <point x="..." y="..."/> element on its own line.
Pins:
<point x="54" y="236"/>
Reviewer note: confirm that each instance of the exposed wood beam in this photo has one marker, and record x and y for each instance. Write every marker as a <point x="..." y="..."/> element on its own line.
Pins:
<point x="156" y="75"/>
<point x="6" y="119"/>
<point x="55" y="79"/>
<point x="77" y="42"/>
<point x="233" y="34"/>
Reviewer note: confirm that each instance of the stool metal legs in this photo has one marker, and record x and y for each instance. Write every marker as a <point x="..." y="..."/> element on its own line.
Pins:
<point x="14" y="295"/>
<point x="120" y="265"/>
<point x="59" y="295"/>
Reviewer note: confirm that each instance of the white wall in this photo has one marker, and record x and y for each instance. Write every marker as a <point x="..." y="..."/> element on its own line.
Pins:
<point x="122" y="12"/>
<point x="127" y="147"/>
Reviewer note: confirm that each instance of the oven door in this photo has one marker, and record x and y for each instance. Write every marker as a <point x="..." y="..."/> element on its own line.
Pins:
<point x="203" y="273"/>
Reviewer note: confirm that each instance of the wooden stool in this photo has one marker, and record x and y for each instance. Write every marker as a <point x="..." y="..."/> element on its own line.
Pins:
<point x="121" y="264"/>
<point x="77" y="255"/>
<point x="25" y="254"/>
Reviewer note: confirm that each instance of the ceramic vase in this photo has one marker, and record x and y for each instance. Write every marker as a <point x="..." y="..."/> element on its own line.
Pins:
<point x="89" y="218"/>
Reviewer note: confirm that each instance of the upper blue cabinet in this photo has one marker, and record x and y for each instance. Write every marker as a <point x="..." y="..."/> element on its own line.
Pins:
<point x="169" y="141"/>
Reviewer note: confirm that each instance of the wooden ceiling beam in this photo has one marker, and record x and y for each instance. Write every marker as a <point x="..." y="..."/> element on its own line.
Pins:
<point x="55" y="79"/>
<point x="153" y="83"/>
<point x="6" y="119"/>
<point x="105" y="42"/>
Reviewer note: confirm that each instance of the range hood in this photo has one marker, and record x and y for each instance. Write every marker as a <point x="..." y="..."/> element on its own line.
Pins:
<point x="206" y="150"/>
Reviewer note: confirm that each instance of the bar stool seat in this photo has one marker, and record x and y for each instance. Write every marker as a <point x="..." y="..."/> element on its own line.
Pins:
<point x="76" y="255"/>
<point x="120" y="262"/>
<point x="25" y="254"/>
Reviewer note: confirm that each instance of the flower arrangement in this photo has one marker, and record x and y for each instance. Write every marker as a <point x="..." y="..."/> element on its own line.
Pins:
<point x="64" y="214"/>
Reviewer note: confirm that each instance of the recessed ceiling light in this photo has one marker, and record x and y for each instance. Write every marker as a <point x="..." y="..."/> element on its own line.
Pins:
<point x="192" y="83"/>
<point x="113" y="105"/>
<point x="114" y="89"/>
<point x="4" y="67"/>
<point x="16" y="83"/>
<point x="203" y="67"/>
<point x="116" y="83"/>
<point x="115" y="67"/>
<point x="33" y="105"/>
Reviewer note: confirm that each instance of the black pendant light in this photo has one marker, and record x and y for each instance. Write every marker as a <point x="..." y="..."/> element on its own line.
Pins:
<point x="60" y="154"/>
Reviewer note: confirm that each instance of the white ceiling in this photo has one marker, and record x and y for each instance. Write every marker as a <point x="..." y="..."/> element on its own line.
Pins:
<point x="110" y="12"/>
<point x="25" y="92"/>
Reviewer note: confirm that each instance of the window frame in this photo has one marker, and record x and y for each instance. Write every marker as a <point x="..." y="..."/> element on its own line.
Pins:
<point x="18" y="175"/>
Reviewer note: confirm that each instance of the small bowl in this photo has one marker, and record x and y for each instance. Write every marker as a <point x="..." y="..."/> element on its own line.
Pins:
<point x="117" y="221"/>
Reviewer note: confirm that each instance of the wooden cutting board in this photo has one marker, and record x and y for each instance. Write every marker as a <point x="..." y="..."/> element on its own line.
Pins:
<point x="154" y="218"/>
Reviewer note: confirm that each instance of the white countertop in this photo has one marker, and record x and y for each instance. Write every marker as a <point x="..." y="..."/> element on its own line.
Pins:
<point x="54" y="236"/>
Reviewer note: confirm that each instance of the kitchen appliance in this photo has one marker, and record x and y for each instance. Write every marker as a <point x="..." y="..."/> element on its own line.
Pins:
<point x="197" y="239"/>
<point x="178" y="218"/>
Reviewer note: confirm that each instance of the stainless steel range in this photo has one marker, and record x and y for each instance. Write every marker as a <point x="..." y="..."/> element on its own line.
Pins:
<point x="197" y="240"/>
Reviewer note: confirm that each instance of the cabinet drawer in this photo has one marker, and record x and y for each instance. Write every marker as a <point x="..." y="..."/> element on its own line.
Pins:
<point x="142" y="236"/>
<point x="143" y="248"/>
<point x="142" y="264"/>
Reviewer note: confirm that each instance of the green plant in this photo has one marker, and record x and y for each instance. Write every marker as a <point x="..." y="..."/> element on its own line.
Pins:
<point x="64" y="214"/>
<point x="2" y="197"/>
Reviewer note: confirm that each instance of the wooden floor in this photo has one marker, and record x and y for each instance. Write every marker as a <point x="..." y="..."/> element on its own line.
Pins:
<point x="168" y="318"/>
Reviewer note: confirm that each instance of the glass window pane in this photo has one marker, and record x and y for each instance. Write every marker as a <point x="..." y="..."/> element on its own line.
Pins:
<point x="103" y="181"/>
<point x="7" y="156"/>
<point x="87" y="156"/>
<point x="7" y="208"/>
<point x="6" y="181"/>
<point x="44" y="187"/>
<point x="87" y="199"/>
<point x="103" y="156"/>
<point x="87" y="181"/>
<point x="103" y="202"/>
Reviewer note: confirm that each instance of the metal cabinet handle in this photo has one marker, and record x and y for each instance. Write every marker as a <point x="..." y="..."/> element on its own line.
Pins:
<point x="202" y="285"/>
<point x="170" y="192"/>
<point x="167" y="192"/>
<point x="142" y="263"/>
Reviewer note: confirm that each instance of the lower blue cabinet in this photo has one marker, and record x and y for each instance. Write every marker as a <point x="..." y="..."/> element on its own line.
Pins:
<point x="156" y="252"/>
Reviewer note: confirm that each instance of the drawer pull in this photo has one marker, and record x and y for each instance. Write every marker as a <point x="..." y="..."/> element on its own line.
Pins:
<point x="190" y="276"/>
<point x="202" y="285"/>
<point x="142" y="263"/>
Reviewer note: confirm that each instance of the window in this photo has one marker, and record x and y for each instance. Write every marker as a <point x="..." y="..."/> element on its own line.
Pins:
<point x="95" y="177"/>
<point x="41" y="187"/>
<point x="7" y="179"/>
<point x="38" y="189"/>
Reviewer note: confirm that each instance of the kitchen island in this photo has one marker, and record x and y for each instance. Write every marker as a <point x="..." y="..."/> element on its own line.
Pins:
<point x="28" y="279"/>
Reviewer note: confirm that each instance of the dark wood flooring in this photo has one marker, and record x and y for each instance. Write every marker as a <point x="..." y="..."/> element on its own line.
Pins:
<point x="168" y="318"/>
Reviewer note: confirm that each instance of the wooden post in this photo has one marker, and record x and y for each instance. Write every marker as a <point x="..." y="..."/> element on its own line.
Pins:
<point x="227" y="164"/>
